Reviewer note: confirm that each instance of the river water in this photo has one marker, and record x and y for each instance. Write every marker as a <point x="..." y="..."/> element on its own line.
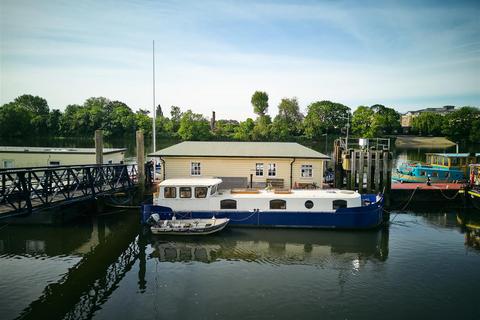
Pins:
<point x="422" y="265"/>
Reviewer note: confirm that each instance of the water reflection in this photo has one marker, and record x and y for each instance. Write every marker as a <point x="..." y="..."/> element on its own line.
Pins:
<point x="310" y="247"/>
<point x="470" y="223"/>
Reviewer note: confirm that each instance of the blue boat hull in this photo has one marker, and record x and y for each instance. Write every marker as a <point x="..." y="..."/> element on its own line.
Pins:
<point x="365" y="217"/>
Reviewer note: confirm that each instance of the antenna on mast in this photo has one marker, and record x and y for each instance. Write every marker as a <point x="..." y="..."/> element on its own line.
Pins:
<point x="154" y="108"/>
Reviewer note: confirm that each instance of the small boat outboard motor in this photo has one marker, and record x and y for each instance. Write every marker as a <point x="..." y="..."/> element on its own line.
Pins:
<point x="154" y="218"/>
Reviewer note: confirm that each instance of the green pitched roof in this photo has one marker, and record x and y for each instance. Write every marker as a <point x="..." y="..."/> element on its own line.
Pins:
<point x="239" y="149"/>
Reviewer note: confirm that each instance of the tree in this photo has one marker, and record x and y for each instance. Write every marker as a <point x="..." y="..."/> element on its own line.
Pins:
<point x="260" y="103"/>
<point x="194" y="126"/>
<point x="39" y="110"/>
<point x="428" y="123"/>
<point x="225" y="128"/>
<point x="325" y="116"/>
<point x="14" y="120"/>
<point x="362" y="120"/>
<point x="262" y="128"/>
<point x="288" y="122"/>
<point x="53" y="122"/>
<point x="244" y="130"/>
<point x="460" y="125"/>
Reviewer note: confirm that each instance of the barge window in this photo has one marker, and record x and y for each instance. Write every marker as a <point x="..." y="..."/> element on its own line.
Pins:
<point x="54" y="163"/>
<point x="228" y="204"/>
<point x="201" y="192"/>
<point x="214" y="190"/>
<point x="307" y="170"/>
<point x="423" y="173"/>
<point x="309" y="204"/>
<point x="339" y="204"/>
<point x="259" y="169"/>
<point x="170" y="192"/>
<point x="434" y="174"/>
<point x="185" y="192"/>
<point x="278" y="204"/>
<point x="272" y="169"/>
<point x="195" y="169"/>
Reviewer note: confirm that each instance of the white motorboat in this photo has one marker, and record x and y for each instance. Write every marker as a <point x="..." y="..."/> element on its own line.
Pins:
<point x="186" y="226"/>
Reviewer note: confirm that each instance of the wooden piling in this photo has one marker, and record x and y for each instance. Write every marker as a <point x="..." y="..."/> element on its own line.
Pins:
<point x="377" y="171"/>
<point x="369" y="171"/>
<point x="337" y="165"/>
<point x="140" y="160"/>
<point x="354" y="170"/>
<point x="361" y="164"/>
<point x="98" y="146"/>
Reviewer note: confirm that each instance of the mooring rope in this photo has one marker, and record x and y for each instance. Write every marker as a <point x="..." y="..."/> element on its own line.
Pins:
<point x="244" y="219"/>
<point x="447" y="197"/>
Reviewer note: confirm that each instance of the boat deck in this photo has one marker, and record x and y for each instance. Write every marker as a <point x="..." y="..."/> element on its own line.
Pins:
<point x="424" y="186"/>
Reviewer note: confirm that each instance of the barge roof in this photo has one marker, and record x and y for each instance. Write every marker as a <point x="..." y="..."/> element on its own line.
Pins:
<point x="66" y="150"/>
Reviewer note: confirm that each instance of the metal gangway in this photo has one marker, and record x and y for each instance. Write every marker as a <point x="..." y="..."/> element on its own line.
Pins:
<point x="27" y="190"/>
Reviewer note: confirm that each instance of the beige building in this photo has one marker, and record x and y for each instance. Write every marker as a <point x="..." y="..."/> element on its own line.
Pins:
<point x="243" y="164"/>
<point x="19" y="157"/>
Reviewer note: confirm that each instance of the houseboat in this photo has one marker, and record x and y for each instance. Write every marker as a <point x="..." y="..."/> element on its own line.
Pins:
<point x="200" y="198"/>
<point x="439" y="167"/>
<point x="474" y="185"/>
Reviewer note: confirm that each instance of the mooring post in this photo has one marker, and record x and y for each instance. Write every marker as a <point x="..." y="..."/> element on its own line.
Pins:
<point x="337" y="166"/>
<point x="377" y="171"/>
<point x="387" y="176"/>
<point x="99" y="147"/>
<point x="361" y="164"/>
<point x="140" y="161"/>
<point x="25" y="190"/>
<point x="353" y="166"/>
<point x="369" y="171"/>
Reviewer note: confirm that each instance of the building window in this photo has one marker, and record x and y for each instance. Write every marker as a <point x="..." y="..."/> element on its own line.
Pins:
<point x="278" y="204"/>
<point x="307" y="170"/>
<point x="54" y="163"/>
<point x="272" y="169"/>
<point x="337" y="204"/>
<point x="195" y="169"/>
<point x="8" y="164"/>
<point x="309" y="204"/>
<point x="185" y="192"/>
<point x="259" y="169"/>
<point x="228" y="204"/>
<point x="169" y="192"/>
<point x="201" y="192"/>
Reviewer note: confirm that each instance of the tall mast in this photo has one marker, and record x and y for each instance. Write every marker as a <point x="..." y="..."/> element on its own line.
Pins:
<point x="154" y="109"/>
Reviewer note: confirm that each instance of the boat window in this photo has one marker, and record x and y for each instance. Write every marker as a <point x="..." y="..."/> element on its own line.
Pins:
<point x="339" y="204"/>
<point x="170" y="192"/>
<point x="201" y="192"/>
<point x="214" y="190"/>
<point x="185" y="192"/>
<point x="447" y="174"/>
<point x="434" y="174"/>
<point x="423" y="173"/>
<point x="278" y="204"/>
<point x="309" y="204"/>
<point x="228" y="204"/>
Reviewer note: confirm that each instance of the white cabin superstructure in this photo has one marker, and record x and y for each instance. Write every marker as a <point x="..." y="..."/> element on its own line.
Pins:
<point x="202" y="194"/>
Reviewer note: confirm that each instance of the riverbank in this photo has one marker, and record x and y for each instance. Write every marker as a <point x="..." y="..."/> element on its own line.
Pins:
<point x="423" y="142"/>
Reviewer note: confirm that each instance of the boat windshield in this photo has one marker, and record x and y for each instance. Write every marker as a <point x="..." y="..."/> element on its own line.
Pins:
<point x="213" y="190"/>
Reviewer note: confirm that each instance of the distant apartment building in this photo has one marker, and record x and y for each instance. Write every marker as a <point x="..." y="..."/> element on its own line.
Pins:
<point x="406" y="120"/>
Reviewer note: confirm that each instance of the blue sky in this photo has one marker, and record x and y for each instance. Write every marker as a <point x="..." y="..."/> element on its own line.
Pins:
<point x="212" y="55"/>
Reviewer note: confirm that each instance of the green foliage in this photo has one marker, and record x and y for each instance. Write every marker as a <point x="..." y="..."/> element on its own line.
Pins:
<point x="14" y="120"/>
<point x="325" y="116"/>
<point x="463" y="125"/>
<point x="428" y="123"/>
<point x="225" y="129"/>
<point x="260" y="103"/>
<point x="288" y="122"/>
<point x="194" y="126"/>
<point x="262" y="129"/>
<point x="244" y="131"/>
<point x="375" y="121"/>
<point x="362" y="120"/>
